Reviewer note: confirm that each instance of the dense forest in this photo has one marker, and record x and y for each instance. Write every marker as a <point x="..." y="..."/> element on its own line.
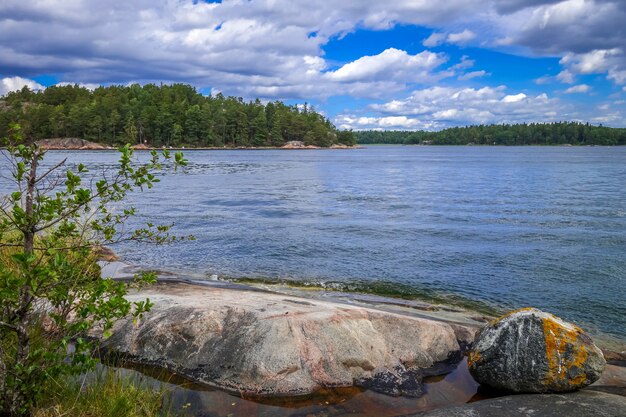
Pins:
<point x="561" y="133"/>
<point x="166" y="115"/>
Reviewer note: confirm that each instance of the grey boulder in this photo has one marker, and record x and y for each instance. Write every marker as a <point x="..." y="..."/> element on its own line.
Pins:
<point x="530" y="351"/>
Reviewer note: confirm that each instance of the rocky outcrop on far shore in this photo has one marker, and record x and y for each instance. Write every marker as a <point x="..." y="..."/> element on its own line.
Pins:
<point x="70" y="144"/>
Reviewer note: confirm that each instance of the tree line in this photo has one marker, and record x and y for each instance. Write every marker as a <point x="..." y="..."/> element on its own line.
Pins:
<point x="560" y="133"/>
<point x="163" y="115"/>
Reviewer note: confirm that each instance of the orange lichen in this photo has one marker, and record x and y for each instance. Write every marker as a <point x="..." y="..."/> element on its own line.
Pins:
<point x="563" y="352"/>
<point x="509" y="314"/>
<point x="473" y="357"/>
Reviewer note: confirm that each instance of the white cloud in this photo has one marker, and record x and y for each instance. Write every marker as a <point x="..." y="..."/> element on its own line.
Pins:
<point x="380" y="123"/>
<point x="440" y="107"/>
<point x="473" y="74"/>
<point x="617" y="75"/>
<point x="513" y="98"/>
<point x="593" y="62"/>
<point x="576" y="26"/>
<point x="546" y="79"/>
<point x="391" y="64"/>
<point x="434" y="39"/>
<point x="566" y="77"/>
<point x="588" y="35"/>
<point x="465" y="63"/>
<point x="275" y="48"/>
<point x="437" y="38"/>
<point x="506" y="41"/>
<point x="461" y="37"/>
<point x="9" y="84"/>
<point x="611" y="62"/>
<point x="580" y="88"/>
<point x="88" y="86"/>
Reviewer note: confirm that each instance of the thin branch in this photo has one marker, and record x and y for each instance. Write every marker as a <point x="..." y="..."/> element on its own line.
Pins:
<point x="69" y="213"/>
<point x="10" y="326"/>
<point x="57" y="166"/>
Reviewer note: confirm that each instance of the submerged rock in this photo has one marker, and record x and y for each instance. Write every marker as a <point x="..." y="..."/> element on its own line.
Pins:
<point x="579" y="404"/>
<point x="535" y="352"/>
<point x="265" y="344"/>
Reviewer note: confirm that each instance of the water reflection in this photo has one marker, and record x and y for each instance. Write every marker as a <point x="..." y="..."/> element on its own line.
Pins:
<point x="191" y="399"/>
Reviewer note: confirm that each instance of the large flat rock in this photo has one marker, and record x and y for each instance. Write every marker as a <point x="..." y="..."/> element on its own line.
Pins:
<point x="259" y="343"/>
<point x="579" y="404"/>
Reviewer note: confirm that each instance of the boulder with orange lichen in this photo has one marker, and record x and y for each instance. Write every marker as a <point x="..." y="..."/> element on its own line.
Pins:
<point x="528" y="351"/>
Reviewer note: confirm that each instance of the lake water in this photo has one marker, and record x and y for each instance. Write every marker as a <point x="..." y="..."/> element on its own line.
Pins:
<point x="507" y="226"/>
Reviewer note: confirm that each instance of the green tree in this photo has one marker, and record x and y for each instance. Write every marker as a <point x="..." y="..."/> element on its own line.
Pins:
<point x="276" y="133"/>
<point x="346" y="137"/>
<point x="50" y="286"/>
<point x="131" y="129"/>
<point x="259" y="130"/>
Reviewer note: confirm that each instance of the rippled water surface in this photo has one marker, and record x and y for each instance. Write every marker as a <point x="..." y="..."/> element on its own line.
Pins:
<point x="509" y="226"/>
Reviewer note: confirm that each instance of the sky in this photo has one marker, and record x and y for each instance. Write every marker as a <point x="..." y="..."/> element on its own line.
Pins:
<point x="364" y="64"/>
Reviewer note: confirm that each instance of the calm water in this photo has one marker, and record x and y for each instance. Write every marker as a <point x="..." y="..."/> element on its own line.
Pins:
<point x="509" y="226"/>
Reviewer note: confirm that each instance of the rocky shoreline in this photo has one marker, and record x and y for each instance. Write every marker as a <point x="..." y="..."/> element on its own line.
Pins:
<point x="77" y="144"/>
<point x="262" y="344"/>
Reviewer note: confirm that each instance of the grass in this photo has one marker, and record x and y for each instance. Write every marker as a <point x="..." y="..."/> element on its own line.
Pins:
<point x="104" y="394"/>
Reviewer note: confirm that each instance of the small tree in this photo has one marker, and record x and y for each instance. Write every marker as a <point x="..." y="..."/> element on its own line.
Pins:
<point x="50" y="287"/>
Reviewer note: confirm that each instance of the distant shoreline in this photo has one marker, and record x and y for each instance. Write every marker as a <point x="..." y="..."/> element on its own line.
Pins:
<point x="272" y="148"/>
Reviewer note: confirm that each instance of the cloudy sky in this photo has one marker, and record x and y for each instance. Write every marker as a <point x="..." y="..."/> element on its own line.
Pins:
<point x="402" y="64"/>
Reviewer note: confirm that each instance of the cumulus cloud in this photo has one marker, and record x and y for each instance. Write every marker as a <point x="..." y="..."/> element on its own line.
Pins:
<point x="382" y="123"/>
<point x="243" y="48"/>
<point x="566" y="77"/>
<point x="437" y="38"/>
<point x="88" y="86"/>
<point x="9" y="84"/>
<point x="473" y="74"/>
<point x="509" y="6"/>
<point x="440" y="107"/>
<point x="617" y="75"/>
<point x="391" y="64"/>
<point x="581" y="88"/>
<point x="611" y="62"/>
<point x="275" y="48"/>
<point x="576" y="26"/>
<point x="596" y="61"/>
<point x="461" y="37"/>
<point x="465" y="63"/>
<point x="434" y="39"/>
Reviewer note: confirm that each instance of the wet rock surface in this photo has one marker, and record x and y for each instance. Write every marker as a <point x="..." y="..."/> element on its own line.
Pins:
<point x="257" y="343"/>
<point x="579" y="404"/>
<point x="530" y="351"/>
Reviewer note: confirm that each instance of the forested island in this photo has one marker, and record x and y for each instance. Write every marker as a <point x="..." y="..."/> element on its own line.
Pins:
<point x="178" y="115"/>
<point x="561" y="133"/>
<point x="163" y="115"/>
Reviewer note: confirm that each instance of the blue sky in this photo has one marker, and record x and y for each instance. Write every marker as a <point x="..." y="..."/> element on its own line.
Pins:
<point x="411" y="64"/>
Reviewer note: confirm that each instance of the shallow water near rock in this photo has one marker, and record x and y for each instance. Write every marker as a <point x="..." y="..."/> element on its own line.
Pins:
<point x="455" y="388"/>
